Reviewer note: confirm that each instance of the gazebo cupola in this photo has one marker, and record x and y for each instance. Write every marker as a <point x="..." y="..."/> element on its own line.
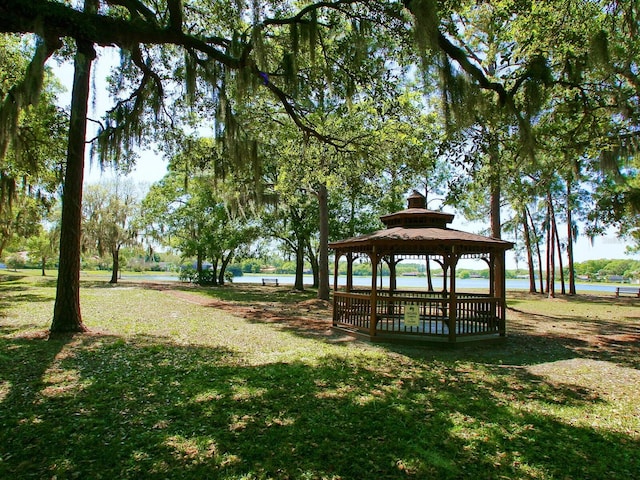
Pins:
<point x="416" y="215"/>
<point x="447" y="315"/>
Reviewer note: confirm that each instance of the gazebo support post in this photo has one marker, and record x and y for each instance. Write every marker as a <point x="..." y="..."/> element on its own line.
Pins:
<point x="335" y="286"/>
<point x="373" y="317"/>
<point x="492" y="274"/>
<point x="491" y="263"/>
<point x="501" y="291"/>
<point x="445" y="268"/>
<point x="453" y="299"/>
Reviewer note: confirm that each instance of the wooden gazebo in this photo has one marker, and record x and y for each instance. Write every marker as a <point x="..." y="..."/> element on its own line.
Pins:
<point x="389" y="314"/>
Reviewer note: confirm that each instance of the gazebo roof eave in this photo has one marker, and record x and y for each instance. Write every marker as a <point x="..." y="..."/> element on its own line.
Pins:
<point x="423" y="240"/>
<point x="422" y="248"/>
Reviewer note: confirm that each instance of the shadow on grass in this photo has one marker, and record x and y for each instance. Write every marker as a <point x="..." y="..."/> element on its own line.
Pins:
<point x="251" y="294"/>
<point x="103" y="407"/>
<point x="532" y="339"/>
<point x="544" y="338"/>
<point x="12" y="290"/>
<point x="515" y="297"/>
<point x="241" y="294"/>
<point x="11" y="277"/>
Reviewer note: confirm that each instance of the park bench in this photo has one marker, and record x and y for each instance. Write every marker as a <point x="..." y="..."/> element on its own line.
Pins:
<point x="630" y="290"/>
<point x="270" y="281"/>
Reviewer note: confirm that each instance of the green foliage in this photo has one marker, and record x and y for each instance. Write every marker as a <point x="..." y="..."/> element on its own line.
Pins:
<point x="600" y="269"/>
<point x="234" y="270"/>
<point x="464" y="273"/>
<point x="194" y="211"/>
<point x="43" y="247"/>
<point x="203" y="277"/>
<point x="250" y="266"/>
<point x="288" y="268"/>
<point x="109" y="214"/>
<point x="15" y="260"/>
<point x="33" y="152"/>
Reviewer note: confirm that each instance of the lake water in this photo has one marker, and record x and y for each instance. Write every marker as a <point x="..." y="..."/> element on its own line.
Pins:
<point x="403" y="282"/>
<point x="421" y="282"/>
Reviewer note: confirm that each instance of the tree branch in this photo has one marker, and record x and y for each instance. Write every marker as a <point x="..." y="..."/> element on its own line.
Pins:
<point x="297" y="18"/>
<point x="457" y="54"/>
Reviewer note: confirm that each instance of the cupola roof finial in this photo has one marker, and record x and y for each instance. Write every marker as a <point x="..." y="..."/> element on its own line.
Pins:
<point x="416" y="200"/>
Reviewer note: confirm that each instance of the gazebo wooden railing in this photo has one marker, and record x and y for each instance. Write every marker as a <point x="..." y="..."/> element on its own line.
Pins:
<point x="474" y="314"/>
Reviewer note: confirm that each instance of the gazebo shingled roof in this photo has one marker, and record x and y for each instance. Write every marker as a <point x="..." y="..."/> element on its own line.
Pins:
<point x="402" y="239"/>
<point x="417" y="231"/>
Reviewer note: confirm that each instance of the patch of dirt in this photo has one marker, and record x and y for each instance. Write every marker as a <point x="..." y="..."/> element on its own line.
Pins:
<point x="311" y="317"/>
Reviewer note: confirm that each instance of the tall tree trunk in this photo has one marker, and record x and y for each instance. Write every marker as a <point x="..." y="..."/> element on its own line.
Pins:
<point x="556" y="239"/>
<point x="323" y="255"/>
<point x="427" y="262"/>
<point x="66" y="311"/>
<point x="540" y="272"/>
<point x="199" y="261"/>
<point x="563" y="289"/>
<point x="527" y="239"/>
<point x="570" y="235"/>
<point x="495" y="194"/>
<point x="538" y="252"/>
<point x="299" y="281"/>
<point x="115" y="255"/>
<point x="352" y="218"/>
<point x="214" y="272"/>
<point x="551" y="261"/>
<point x="496" y="222"/>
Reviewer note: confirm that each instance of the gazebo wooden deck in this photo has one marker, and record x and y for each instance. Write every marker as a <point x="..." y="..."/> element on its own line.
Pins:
<point x="447" y="316"/>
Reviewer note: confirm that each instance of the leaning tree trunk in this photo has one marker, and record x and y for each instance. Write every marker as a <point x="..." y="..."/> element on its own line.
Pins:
<point x="66" y="311"/>
<point x="323" y="255"/>
<point x="428" y="273"/>
<point x="223" y="267"/>
<point x="313" y="260"/>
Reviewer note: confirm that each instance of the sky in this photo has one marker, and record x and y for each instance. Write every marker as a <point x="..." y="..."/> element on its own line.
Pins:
<point x="151" y="167"/>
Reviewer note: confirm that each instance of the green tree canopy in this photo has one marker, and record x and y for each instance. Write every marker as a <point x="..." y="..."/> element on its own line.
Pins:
<point x="109" y="214"/>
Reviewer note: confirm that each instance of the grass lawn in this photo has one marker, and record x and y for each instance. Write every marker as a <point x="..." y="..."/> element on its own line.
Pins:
<point x="250" y="382"/>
